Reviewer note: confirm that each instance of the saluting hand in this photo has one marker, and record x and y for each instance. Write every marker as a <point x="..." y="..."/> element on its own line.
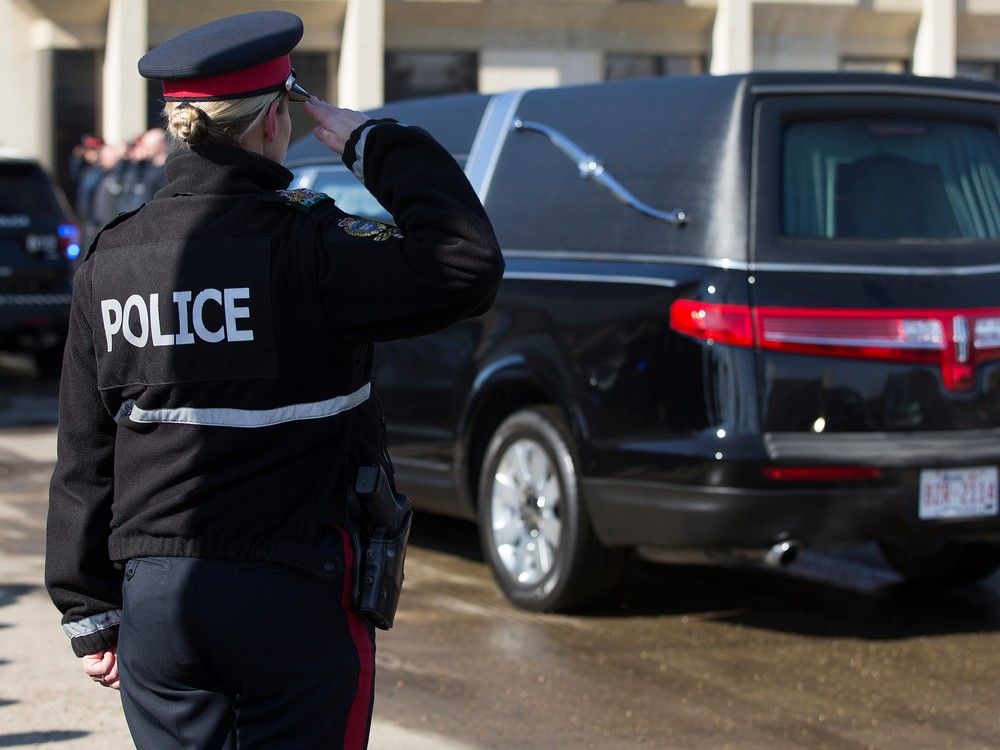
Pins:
<point x="334" y="124"/>
<point x="102" y="667"/>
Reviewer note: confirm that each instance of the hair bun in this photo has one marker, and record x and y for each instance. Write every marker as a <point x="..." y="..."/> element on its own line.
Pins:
<point x="189" y="124"/>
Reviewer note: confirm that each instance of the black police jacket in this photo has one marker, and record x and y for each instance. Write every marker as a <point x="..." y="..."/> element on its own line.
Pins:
<point x="217" y="370"/>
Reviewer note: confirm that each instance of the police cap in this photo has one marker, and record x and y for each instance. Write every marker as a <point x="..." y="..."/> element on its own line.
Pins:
<point x="231" y="58"/>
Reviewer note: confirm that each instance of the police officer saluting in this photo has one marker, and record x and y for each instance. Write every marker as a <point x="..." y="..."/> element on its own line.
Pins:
<point x="216" y="402"/>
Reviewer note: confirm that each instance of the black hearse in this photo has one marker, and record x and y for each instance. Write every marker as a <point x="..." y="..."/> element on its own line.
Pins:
<point x="743" y="312"/>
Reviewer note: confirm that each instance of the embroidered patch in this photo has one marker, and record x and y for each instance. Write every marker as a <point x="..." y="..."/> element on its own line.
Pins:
<point x="299" y="198"/>
<point x="369" y="229"/>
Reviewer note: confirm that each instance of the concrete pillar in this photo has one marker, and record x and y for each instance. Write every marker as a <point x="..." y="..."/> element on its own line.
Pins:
<point x="332" y="92"/>
<point x="26" y="80"/>
<point x="361" y="74"/>
<point x="123" y="106"/>
<point x="934" y="51"/>
<point x="732" y="37"/>
<point x="506" y="69"/>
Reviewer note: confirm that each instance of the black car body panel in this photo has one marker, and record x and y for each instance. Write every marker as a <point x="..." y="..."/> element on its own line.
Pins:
<point x="36" y="230"/>
<point x="675" y="434"/>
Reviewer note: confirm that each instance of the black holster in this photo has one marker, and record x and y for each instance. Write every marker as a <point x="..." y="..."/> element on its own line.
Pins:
<point x="385" y="531"/>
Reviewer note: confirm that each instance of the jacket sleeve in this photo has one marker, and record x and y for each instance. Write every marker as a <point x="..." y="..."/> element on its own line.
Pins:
<point x="81" y="579"/>
<point x="444" y="264"/>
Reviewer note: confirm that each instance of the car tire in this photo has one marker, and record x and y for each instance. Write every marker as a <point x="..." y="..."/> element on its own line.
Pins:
<point x="943" y="564"/>
<point x="534" y="528"/>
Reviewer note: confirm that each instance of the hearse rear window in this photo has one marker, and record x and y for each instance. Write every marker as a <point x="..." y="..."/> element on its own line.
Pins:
<point x="882" y="179"/>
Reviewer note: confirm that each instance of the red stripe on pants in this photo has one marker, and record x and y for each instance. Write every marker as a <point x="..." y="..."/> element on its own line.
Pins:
<point x="356" y="736"/>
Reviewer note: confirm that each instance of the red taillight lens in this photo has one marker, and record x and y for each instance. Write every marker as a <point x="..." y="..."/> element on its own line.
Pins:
<point x="820" y="473"/>
<point x="717" y="323"/>
<point x="952" y="339"/>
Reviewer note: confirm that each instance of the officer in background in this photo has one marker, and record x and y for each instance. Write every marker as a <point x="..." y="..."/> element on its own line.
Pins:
<point x="216" y="401"/>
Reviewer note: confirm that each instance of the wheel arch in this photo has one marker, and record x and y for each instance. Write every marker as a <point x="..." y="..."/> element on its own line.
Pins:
<point x="501" y="388"/>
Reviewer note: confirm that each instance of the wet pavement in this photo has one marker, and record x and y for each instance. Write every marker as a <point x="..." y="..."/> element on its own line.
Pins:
<point x="834" y="652"/>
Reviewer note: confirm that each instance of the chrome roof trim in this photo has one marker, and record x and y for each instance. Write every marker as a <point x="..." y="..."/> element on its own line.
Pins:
<point x="915" y="89"/>
<point x="492" y="134"/>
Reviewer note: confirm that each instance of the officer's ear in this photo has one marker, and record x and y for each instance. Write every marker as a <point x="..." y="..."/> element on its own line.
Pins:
<point x="274" y="109"/>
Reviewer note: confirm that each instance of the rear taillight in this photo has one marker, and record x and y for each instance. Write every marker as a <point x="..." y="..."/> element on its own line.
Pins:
<point x="716" y="323"/>
<point x="69" y="241"/>
<point x="954" y="340"/>
<point x="821" y="473"/>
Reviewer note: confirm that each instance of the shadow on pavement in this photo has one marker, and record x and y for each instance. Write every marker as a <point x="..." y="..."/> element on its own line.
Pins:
<point x="34" y="738"/>
<point x="866" y="601"/>
<point x="6" y="702"/>
<point x="9" y="594"/>
<point x="781" y="601"/>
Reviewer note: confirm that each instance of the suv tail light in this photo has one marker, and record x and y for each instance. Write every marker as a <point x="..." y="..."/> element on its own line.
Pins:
<point x="69" y="241"/>
<point x="955" y="340"/>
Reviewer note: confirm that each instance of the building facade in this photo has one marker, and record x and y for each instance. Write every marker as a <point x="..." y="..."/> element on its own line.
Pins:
<point x="68" y="68"/>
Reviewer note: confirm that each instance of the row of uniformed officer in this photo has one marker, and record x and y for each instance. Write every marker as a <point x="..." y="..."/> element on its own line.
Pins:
<point x="216" y="401"/>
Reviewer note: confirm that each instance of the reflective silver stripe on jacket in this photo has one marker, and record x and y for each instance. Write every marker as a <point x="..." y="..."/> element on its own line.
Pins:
<point x="251" y="417"/>
<point x="89" y="625"/>
<point x="359" y="152"/>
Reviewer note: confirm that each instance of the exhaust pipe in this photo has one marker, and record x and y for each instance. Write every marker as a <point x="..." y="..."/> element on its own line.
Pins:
<point x="783" y="553"/>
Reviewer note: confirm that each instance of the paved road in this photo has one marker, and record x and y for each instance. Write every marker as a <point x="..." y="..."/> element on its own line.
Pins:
<point x="833" y="653"/>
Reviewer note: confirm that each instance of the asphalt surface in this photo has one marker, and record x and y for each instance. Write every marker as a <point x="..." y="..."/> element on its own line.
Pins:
<point x="834" y="652"/>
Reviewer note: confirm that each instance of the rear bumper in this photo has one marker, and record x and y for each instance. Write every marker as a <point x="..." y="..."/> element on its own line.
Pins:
<point x="655" y="514"/>
<point x="30" y="322"/>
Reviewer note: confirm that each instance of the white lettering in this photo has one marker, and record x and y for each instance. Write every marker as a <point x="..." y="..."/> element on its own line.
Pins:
<point x="159" y="339"/>
<point x="111" y="312"/>
<point x="136" y="302"/>
<point x="197" y="316"/>
<point x="233" y="313"/>
<point x="139" y="321"/>
<point x="184" y="335"/>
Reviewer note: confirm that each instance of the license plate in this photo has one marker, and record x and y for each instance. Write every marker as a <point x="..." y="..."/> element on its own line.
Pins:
<point x="958" y="493"/>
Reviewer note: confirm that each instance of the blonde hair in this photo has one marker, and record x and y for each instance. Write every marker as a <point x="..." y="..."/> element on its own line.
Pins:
<point x="217" y="122"/>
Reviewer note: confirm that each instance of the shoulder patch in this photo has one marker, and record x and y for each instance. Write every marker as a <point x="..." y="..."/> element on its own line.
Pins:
<point x="300" y="198"/>
<point x="369" y="229"/>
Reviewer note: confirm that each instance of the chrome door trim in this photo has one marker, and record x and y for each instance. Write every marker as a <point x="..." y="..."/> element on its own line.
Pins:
<point x="590" y="278"/>
<point x="737" y="265"/>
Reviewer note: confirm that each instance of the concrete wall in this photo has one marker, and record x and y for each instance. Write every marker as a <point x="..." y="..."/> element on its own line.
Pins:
<point x="25" y="80"/>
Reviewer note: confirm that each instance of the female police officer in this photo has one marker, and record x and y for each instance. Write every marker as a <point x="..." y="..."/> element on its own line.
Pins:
<point x="216" y="391"/>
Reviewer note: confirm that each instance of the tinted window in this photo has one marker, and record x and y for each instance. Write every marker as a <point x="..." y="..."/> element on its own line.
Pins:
<point x="25" y="191"/>
<point x="673" y="142"/>
<point x="881" y="179"/>
<point x="349" y="194"/>
<point x="452" y="120"/>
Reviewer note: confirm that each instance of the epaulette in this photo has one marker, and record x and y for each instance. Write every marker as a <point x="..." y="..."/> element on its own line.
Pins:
<point x="300" y="199"/>
<point x="110" y="225"/>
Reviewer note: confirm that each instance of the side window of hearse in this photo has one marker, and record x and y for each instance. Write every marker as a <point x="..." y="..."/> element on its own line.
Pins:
<point x="537" y="199"/>
<point x="891" y="178"/>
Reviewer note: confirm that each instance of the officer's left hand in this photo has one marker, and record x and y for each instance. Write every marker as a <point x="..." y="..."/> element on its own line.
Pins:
<point x="102" y="667"/>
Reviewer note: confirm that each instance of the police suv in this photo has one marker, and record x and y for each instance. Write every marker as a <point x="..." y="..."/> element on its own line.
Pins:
<point x="38" y="242"/>
<point x="745" y="312"/>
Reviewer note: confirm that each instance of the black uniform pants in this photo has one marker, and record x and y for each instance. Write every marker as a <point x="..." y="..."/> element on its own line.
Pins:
<point x="219" y="655"/>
